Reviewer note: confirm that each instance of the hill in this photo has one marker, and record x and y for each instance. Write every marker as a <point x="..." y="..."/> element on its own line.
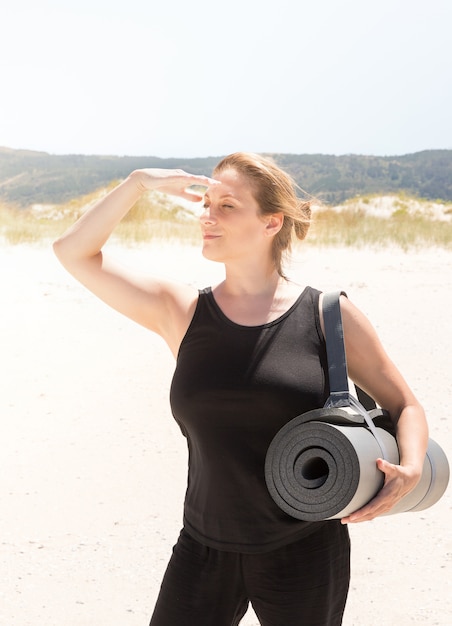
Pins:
<point x="28" y="177"/>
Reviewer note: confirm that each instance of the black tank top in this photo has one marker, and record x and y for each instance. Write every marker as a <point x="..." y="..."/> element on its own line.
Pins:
<point x="233" y="388"/>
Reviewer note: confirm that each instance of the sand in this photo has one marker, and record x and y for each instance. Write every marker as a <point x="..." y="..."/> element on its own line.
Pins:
<point x="92" y="469"/>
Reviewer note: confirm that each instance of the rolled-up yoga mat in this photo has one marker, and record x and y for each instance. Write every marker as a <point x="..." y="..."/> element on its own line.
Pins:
<point x="433" y="483"/>
<point x="322" y="464"/>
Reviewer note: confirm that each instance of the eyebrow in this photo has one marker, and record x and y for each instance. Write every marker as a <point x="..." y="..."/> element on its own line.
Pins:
<point x="225" y="195"/>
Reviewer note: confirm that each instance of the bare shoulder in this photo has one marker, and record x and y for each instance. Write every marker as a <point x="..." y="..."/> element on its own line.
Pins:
<point x="369" y="365"/>
<point x="352" y="316"/>
<point x="358" y="329"/>
<point x="165" y="307"/>
<point x="362" y="344"/>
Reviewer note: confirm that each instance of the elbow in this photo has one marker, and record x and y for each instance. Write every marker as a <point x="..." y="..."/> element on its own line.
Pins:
<point x="65" y="253"/>
<point x="71" y="257"/>
<point x="67" y="248"/>
<point x="56" y="246"/>
<point x="412" y="412"/>
<point x="59" y="249"/>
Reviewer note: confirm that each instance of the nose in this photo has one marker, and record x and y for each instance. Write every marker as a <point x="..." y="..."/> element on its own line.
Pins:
<point x="207" y="216"/>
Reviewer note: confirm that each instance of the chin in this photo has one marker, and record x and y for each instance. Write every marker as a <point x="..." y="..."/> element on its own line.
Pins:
<point x="211" y="255"/>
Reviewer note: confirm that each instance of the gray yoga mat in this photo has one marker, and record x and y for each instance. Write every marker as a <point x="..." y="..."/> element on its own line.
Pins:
<point x="322" y="465"/>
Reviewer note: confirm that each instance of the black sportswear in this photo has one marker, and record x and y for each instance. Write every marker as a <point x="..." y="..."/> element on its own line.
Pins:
<point x="233" y="388"/>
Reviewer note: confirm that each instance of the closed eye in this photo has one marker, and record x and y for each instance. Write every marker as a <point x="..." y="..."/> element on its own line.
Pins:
<point x="223" y="207"/>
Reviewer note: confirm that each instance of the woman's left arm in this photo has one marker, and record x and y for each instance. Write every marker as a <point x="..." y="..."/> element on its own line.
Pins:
<point x="371" y="369"/>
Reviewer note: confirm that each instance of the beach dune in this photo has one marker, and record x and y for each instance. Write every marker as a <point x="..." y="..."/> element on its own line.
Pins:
<point x="93" y="466"/>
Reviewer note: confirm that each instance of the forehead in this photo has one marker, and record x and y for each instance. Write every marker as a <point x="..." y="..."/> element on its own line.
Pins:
<point x="233" y="184"/>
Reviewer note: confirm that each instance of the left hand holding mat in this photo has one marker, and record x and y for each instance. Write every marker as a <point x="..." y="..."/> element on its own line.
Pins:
<point x="399" y="481"/>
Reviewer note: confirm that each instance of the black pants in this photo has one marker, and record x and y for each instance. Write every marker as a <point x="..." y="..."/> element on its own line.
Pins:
<point x="301" y="584"/>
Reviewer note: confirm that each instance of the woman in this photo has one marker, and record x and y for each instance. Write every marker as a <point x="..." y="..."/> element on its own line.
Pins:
<point x="250" y="356"/>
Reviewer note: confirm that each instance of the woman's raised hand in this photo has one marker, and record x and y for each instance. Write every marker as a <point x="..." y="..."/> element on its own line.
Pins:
<point x="173" y="182"/>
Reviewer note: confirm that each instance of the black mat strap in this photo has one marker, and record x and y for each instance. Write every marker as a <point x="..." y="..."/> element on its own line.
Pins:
<point x="337" y="365"/>
<point x="334" y="337"/>
<point x="335" y="349"/>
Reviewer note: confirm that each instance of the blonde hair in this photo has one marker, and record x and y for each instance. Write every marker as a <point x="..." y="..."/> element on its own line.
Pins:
<point x="274" y="191"/>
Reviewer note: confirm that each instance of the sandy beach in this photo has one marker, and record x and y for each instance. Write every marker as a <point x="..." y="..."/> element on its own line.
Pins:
<point x="93" y="467"/>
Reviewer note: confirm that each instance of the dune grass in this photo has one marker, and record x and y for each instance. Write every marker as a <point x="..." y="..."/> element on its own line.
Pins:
<point x="355" y="228"/>
<point x="155" y="216"/>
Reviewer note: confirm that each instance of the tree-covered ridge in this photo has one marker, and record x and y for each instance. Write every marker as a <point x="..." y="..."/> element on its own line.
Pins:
<point x="426" y="174"/>
<point x="28" y="177"/>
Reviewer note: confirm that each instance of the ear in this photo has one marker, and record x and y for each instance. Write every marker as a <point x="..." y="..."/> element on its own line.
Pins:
<point x="274" y="224"/>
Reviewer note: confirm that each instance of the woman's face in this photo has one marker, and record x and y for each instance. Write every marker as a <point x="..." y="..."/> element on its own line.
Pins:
<point x="231" y="224"/>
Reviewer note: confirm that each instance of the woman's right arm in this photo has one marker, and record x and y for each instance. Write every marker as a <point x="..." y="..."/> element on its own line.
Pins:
<point x="159" y="305"/>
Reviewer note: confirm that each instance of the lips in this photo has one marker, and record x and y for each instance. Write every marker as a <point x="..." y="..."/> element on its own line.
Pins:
<point x="208" y="236"/>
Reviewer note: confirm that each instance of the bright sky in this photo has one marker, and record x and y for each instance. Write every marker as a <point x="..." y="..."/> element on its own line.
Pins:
<point x="187" y="78"/>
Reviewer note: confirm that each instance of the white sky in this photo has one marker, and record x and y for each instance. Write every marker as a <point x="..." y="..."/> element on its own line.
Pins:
<point x="187" y="78"/>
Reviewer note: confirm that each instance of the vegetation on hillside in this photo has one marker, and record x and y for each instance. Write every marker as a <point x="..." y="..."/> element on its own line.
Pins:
<point x="335" y="179"/>
<point x="28" y="178"/>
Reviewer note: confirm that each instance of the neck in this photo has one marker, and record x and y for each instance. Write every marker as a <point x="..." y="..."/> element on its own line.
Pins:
<point x="255" y="297"/>
<point x="251" y="280"/>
